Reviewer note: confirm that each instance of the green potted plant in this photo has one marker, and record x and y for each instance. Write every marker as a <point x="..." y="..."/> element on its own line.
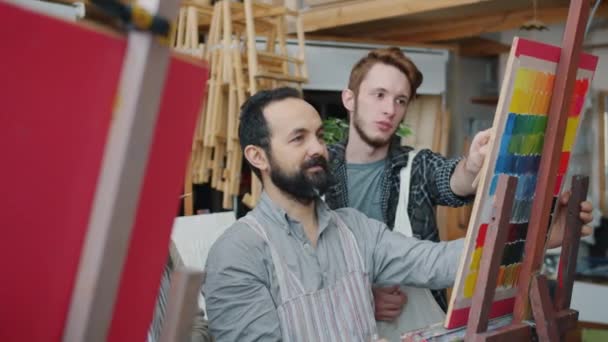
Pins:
<point x="335" y="130"/>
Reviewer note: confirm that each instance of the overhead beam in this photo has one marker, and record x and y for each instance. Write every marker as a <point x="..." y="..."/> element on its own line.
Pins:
<point x="451" y="29"/>
<point x="482" y="47"/>
<point x="352" y="12"/>
<point x="365" y="40"/>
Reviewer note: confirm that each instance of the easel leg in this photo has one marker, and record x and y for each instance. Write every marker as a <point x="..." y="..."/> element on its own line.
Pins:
<point x="182" y="305"/>
<point x="550" y="324"/>
<point x="572" y="238"/>
<point x="490" y="260"/>
<point x="546" y="326"/>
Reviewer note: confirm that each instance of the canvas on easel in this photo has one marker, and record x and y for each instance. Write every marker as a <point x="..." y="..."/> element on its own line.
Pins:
<point x="517" y="144"/>
<point x="60" y="114"/>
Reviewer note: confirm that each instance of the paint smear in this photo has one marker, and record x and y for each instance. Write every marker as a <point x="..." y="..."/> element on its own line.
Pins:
<point x="469" y="284"/>
<point x="476" y="258"/>
<point x="481" y="235"/>
<point x="570" y="136"/>
<point x="501" y="276"/>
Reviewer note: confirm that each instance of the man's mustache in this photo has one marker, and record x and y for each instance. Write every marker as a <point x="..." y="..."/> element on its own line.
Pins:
<point x="315" y="161"/>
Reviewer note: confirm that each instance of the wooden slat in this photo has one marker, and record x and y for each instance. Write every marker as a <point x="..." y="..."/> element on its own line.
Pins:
<point x="457" y="28"/>
<point x="269" y="55"/>
<point x="558" y="114"/>
<point x="302" y="70"/>
<point x="490" y="261"/>
<point x="181" y="27"/>
<point x="188" y="191"/>
<point x="544" y="317"/>
<point x="281" y="77"/>
<point x="567" y="320"/>
<point x="379" y="40"/>
<point x="571" y="240"/>
<point x="358" y="12"/>
<point x="182" y="305"/>
<point x="265" y="13"/>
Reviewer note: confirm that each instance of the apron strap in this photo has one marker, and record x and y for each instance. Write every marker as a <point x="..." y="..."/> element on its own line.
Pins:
<point x="402" y="222"/>
<point x="353" y="257"/>
<point x="289" y="284"/>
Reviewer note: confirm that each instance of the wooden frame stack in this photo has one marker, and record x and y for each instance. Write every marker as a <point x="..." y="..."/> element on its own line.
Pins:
<point x="246" y="47"/>
<point x="193" y="18"/>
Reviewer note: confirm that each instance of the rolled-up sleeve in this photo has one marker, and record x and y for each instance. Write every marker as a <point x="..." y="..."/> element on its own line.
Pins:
<point x="236" y="290"/>
<point x="437" y="172"/>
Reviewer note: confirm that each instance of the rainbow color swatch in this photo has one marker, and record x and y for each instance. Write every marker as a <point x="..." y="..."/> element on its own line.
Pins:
<point x="519" y="155"/>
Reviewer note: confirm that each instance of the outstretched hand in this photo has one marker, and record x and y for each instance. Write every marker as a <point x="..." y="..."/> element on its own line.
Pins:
<point x="479" y="150"/>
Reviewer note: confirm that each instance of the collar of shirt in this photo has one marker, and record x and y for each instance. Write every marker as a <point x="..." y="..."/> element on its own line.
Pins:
<point x="275" y="214"/>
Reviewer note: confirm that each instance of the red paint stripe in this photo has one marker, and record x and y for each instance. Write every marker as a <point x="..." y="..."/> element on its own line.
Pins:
<point x="460" y="317"/>
<point x="563" y="163"/>
<point x="558" y="184"/>
<point x="481" y="235"/>
<point x="551" y="53"/>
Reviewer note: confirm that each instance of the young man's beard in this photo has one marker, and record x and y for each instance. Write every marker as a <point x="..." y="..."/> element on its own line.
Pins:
<point x="302" y="186"/>
<point x="377" y="142"/>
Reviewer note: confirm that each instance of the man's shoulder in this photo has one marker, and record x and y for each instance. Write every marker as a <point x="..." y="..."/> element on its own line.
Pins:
<point x="357" y="221"/>
<point x="238" y="239"/>
<point x="349" y="213"/>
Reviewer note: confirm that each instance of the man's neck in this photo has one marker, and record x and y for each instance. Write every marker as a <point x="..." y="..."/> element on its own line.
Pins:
<point x="305" y="213"/>
<point x="360" y="152"/>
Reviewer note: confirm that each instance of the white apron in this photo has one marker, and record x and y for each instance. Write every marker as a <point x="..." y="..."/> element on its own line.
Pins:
<point x="421" y="309"/>
<point x="341" y="312"/>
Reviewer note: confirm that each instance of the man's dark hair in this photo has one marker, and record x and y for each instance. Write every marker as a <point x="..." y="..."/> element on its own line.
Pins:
<point x="253" y="129"/>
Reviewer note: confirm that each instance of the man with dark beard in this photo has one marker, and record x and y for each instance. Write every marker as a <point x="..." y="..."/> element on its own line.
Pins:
<point x="293" y="269"/>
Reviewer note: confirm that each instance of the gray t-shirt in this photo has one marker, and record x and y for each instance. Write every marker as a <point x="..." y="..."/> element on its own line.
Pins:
<point x="364" y="188"/>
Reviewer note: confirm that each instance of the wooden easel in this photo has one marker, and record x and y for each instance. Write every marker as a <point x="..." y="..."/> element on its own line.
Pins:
<point x="553" y="319"/>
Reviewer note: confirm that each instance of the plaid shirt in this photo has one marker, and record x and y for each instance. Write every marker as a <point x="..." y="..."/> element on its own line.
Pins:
<point x="429" y="187"/>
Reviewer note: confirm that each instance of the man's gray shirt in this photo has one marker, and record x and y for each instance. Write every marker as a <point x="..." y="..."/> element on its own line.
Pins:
<point x="241" y="289"/>
<point x="364" y="184"/>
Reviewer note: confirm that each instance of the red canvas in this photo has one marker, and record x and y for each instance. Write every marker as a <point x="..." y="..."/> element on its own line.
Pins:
<point x="57" y="85"/>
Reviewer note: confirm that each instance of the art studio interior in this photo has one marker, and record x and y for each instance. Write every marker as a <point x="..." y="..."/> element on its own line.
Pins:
<point x="304" y="170"/>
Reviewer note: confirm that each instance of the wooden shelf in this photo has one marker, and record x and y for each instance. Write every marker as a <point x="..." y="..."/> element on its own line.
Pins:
<point x="485" y="100"/>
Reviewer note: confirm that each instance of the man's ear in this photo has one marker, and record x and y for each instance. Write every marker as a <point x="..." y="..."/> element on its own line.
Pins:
<point x="256" y="156"/>
<point x="348" y="100"/>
